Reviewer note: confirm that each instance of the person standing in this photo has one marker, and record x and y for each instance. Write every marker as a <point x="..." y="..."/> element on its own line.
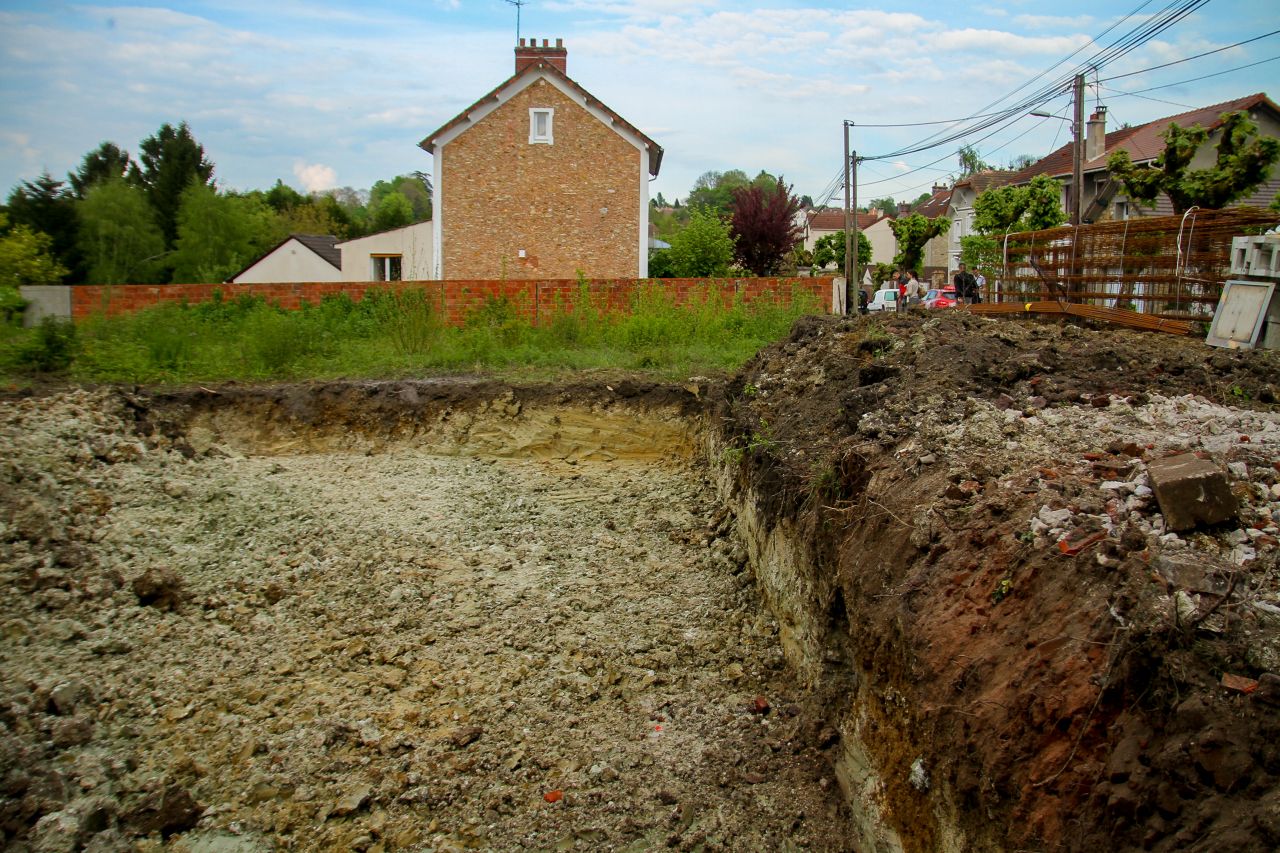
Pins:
<point x="914" y="289"/>
<point x="981" y="288"/>
<point x="966" y="285"/>
<point x="902" y="291"/>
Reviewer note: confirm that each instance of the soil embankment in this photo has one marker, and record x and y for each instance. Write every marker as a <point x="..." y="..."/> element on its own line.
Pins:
<point x="824" y="605"/>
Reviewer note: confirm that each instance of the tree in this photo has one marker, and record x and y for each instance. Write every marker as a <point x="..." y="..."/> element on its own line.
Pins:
<point x="119" y="237"/>
<point x="912" y="233"/>
<point x="1021" y="162"/>
<point x="26" y="257"/>
<point x="1030" y="207"/>
<point x="103" y="163"/>
<point x="763" y="226"/>
<point x="1244" y="162"/>
<point x="704" y="248"/>
<point x="714" y="190"/>
<point x="218" y="234"/>
<point x="391" y="210"/>
<point x="45" y="207"/>
<point x="971" y="162"/>
<point x="415" y="188"/>
<point x="168" y="163"/>
<point x="886" y="204"/>
<point x="829" y="249"/>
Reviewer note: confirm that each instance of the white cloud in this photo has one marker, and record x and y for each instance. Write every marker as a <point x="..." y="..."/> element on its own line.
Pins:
<point x="900" y="165"/>
<point x="315" y="176"/>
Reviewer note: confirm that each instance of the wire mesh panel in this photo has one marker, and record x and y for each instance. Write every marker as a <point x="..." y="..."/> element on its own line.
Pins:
<point x="1169" y="266"/>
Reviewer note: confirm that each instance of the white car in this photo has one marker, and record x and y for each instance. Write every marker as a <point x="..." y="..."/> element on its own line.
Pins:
<point x="884" y="300"/>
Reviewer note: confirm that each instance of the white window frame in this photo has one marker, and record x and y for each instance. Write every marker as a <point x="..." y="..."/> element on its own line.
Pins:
<point x="534" y="137"/>
<point x="381" y="267"/>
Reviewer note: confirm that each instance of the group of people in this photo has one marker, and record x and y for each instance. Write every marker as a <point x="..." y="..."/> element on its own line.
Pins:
<point x="968" y="286"/>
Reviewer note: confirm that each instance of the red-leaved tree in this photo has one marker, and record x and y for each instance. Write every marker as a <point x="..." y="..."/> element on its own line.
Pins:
<point x="764" y="227"/>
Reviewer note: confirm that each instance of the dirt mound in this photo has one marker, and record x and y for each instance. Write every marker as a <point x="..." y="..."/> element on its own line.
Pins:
<point x="1041" y="664"/>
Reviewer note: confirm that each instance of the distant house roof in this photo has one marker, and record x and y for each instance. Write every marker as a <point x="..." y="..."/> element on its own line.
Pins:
<point x="323" y="245"/>
<point x="833" y="220"/>
<point x="935" y="205"/>
<point x="384" y="231"/>
<point x="655" y="150"/>
<point x="985" y="180"/>
<point x="1144" y="142"/>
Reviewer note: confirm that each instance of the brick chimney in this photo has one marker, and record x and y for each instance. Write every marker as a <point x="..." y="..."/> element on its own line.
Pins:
<point x="904" y="208"/>
<point x="530" y="53"/>
<point x="1095" y="141"/>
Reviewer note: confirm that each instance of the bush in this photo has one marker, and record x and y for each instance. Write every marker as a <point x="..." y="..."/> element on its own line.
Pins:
<point x="52" y="348"/>
<point x="12" y="305"/>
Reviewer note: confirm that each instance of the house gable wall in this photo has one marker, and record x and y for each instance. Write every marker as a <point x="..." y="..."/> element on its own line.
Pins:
<point x="413" y="244"/>
<point x="573" y="205"/>
<point x="291" y="261"/>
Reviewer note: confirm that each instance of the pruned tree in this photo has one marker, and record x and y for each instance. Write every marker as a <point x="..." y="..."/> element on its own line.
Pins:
<point x="829" y="249"/>
<point x="1030" y="207"/>
<point x="912" y="233"/>
<point x="1243" y="162"/>
<point x="764" y="226"/>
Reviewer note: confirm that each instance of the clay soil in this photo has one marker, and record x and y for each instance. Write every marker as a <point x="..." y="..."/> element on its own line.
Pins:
<point x="453" y="614"/>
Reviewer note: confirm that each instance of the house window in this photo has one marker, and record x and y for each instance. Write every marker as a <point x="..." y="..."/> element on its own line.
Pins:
<point x="386" y="267"/>
<point x="540" y="125"/>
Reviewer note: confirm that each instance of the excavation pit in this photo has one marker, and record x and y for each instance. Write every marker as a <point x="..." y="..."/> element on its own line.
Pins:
<point x="456" y="620"/>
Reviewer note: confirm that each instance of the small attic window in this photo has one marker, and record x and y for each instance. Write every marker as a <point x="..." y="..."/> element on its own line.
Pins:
<point x="540" y="125"/>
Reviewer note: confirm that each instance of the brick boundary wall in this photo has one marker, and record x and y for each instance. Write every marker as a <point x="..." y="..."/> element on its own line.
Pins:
<point x="456" y="299"/>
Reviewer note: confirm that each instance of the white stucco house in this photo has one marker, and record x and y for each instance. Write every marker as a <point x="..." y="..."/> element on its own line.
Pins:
<point x="299" y="257"/>
<point x="399" y="254"/>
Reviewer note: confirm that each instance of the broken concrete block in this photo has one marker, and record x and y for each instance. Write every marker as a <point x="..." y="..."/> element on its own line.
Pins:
<point x="1191" y="491"/>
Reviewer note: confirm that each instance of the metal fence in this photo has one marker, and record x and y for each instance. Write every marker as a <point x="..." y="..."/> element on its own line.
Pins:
<point x="1167" y="266"/>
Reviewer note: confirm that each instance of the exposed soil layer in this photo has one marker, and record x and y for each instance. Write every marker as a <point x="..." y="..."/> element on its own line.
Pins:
<point x="976" y="494"/>
<point x="458" y="614"/>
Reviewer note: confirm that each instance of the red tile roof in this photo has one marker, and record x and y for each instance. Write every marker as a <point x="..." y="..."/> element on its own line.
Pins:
<point x="1144" y="142"/>
<point x="935" y="205"/>
<point x="655" y="150"/>
<point x="983" y="181"/>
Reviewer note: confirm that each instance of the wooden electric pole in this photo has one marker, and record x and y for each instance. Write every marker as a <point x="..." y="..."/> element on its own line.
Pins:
<point x="848" y="281"/>
<point x="1077" y="152"/>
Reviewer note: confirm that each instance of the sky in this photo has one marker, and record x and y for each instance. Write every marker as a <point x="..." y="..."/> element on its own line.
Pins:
<point x="330" y="94"/>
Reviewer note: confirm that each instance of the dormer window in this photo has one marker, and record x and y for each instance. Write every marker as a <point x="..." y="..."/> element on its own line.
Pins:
<point x="540" y="125"/>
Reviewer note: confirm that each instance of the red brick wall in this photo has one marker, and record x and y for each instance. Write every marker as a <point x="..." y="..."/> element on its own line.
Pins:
<point x="457" y="299"/>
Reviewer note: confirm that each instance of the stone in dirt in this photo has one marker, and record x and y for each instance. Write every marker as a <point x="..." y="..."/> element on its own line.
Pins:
<point x="160" y="588"/>
<point x="1191" y="491"/>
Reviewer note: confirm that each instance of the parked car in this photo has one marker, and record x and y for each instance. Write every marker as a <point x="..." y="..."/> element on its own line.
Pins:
<point x="941" y="298"/>
<point x="885" y="299"/>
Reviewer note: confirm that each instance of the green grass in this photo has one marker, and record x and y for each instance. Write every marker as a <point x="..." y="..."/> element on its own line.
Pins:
<point x="395" y="335"/>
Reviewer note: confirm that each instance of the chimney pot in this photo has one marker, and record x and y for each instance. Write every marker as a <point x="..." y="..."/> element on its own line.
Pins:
<point x="531" y="53"/>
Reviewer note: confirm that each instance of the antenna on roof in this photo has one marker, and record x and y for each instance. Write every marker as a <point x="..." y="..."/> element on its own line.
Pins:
<point x="517" y="4"/>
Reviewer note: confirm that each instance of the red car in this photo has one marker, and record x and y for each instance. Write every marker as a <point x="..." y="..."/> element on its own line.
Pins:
<point x="944" y="298"/>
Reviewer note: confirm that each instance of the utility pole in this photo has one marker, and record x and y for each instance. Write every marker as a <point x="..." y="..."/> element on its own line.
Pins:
<point x="856" y="280"/>
<point x="847" y="291"/>
<point x="1077" y="152"/>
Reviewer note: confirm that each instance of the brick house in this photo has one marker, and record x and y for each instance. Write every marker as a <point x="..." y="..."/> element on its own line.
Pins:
<point x="540" y="180"/>
<point x="1104" y="198"/>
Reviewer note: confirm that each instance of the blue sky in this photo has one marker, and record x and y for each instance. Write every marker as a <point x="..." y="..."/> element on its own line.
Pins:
<point x="324" y="94"/>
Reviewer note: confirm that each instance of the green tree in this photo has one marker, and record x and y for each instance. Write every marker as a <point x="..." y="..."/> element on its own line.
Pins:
<point x="416" y="189"/>
<point x="45" y="206"/>
<point x="1243" y="163"/>
<point x="704" y="248"/>
<point x="829" y="249"/>
<point x="168" y="163"/>
<point x="971" y="162"/>
<point x="1021" y="162"/>
<point x="1030" y="207"/>
<point x="392" y="210"/>
<point x="26" y="257"/>
<point x="218" y="234"/>
<point x="714" y="190"/>
<point x="119" y="238"/>
<point x="912" y="233"/>
<point x="763" y="225"/>
<point x="106" y="162"/>
<point x="886" y="204"/>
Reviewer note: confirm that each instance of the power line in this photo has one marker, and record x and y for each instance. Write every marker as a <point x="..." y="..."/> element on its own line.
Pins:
<point x="1201" y="77"/>
<point x="1189" y="58"/>
<point x="1148" y="98"/>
